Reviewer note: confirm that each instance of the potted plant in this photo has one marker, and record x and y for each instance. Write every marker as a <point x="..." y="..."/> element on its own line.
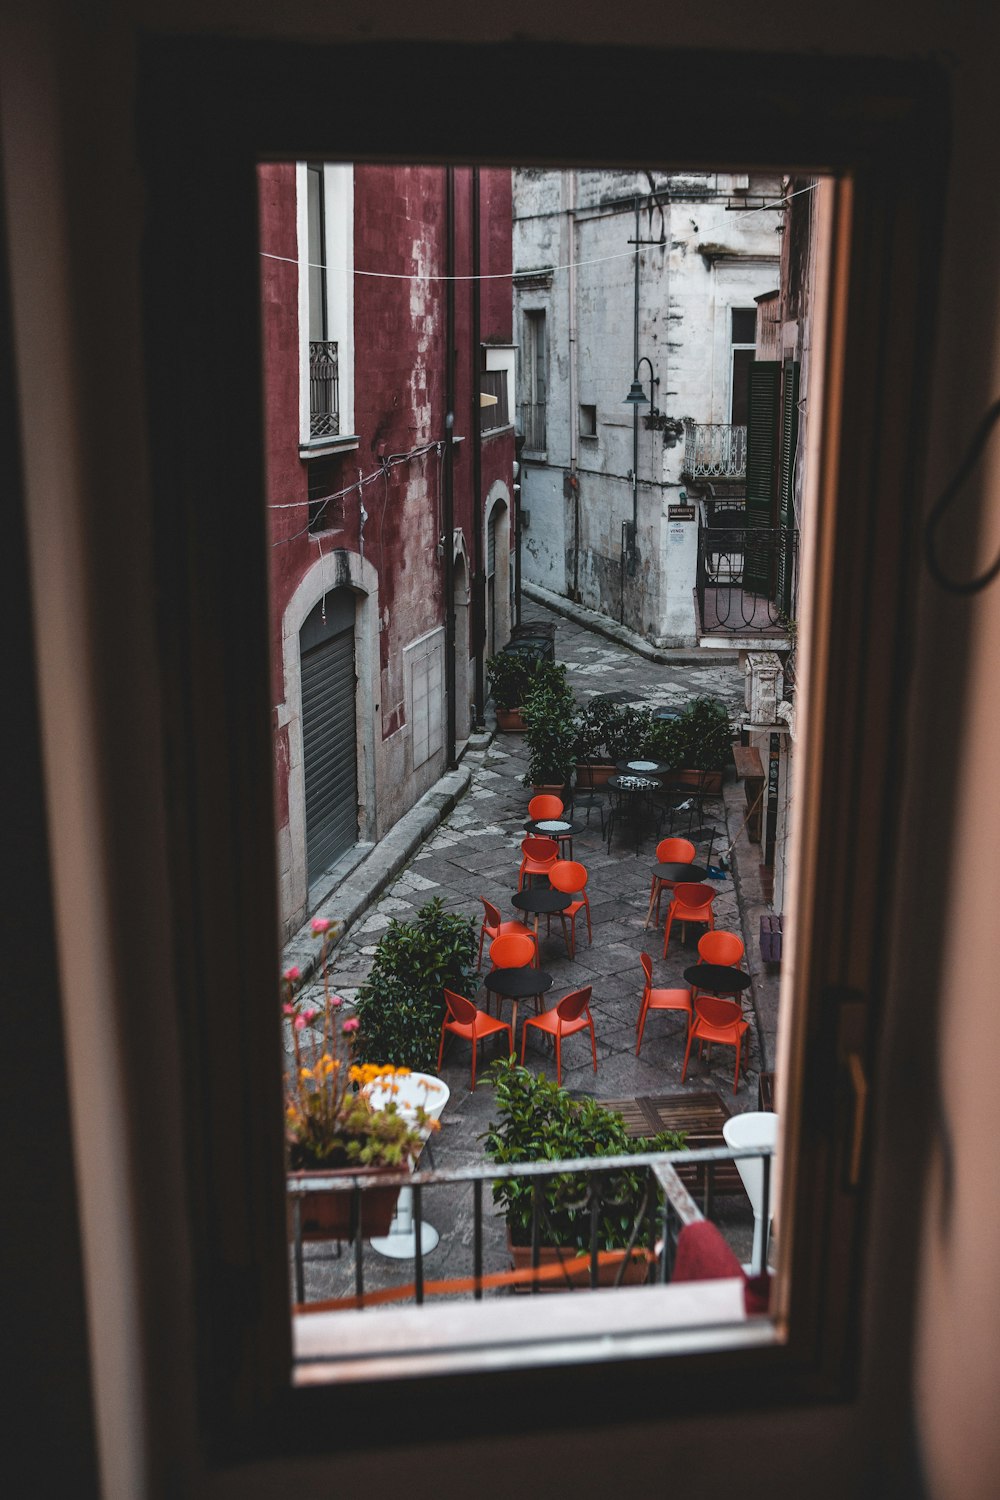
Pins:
<point x="540" y="1121"/>
<point x="550" y="716"/>
<point x="400" y="1006"/>
<point x="332" y="1129"/>
<point x="508" y="675"/>
<point x="704" y="743"/>
<point x="593" y="764"/>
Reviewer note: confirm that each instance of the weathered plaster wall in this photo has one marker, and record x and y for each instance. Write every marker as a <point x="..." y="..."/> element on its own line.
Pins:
<point x="702" y="262"/>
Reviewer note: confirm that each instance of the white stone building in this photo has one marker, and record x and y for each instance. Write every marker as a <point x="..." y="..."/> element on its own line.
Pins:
<point x="614" y="494"/>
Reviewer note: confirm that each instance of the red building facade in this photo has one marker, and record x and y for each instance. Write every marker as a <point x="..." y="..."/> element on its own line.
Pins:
<point x="381" y="620"/>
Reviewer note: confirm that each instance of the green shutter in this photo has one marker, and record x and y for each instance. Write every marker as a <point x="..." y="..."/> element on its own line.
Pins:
<point x="786" y="489"/>
<point x="764" y="388"/>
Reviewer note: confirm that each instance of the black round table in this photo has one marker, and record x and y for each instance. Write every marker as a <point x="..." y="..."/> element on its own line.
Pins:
<point x="515" y="985"/>
<point x="640" y="765"/>
<point x="717" y="979"/>
<point x="674" y="874"/>
<point x="637" y="788"/>
<point x="555" y="828"/>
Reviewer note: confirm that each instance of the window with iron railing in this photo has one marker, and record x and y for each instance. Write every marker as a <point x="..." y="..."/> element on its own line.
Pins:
<point x="324" y="389"/>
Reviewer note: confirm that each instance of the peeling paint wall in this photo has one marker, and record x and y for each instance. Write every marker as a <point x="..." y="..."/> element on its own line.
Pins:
<point x="703" y="261"/>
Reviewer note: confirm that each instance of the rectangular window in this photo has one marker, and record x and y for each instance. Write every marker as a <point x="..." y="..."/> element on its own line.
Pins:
<point x="743" y="341"/>
<point x="225" y="944"/>
<point x="533" y="374"/>
<point x="324" y="480"/>
<point x="588" y="421"/>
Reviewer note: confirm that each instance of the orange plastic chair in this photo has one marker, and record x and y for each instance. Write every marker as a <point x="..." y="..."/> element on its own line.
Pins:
<point x="545" y="805"/>
<point x="494" y="926"/>
<point x="659" y="1000"/>
<point x="668" y="852"/>
<point x="717" y="1020"/>
<point x="691" y="903"/>
<point x="570" y="877"/>
<point x="465" y="1020"/>
<point x="538" y="855"/>
<point x="719" y="947"/>
<point x="570" y="1015"/>
<point x="513" y="950"/>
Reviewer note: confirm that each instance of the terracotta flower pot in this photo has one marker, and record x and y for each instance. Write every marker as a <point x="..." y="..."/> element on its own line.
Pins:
<point x="594" y="773"/>
<point x="549" y="1255"/>
<point x="327" y="1216"/>
<point x="511" y="721"/>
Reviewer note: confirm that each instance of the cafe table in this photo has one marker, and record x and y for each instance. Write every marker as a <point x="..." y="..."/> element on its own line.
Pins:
<point x="636" y="788"/>
<point x="542" y="900"/>
<point x="640" y="767"/>
<point x="517" y="984"/>
<point x="408" y="1091"/>
<point x="555" y="828"/>
<point x="717" y="979"/>
<point x="674" y="874"/>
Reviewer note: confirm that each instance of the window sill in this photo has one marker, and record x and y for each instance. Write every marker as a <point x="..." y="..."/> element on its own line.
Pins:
<point x="509" y="1334"/>
<point x="324" y="446"/>
<point x="492" y="432"/>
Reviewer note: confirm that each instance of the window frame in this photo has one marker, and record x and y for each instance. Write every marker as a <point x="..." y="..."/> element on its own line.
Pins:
<point x="208" y="111"/>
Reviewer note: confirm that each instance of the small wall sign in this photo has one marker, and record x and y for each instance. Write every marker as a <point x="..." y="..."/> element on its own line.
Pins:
<point x="680" y="512"/>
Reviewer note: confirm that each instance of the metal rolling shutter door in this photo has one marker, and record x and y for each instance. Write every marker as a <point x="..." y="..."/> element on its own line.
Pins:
<point x="329" y="751"/>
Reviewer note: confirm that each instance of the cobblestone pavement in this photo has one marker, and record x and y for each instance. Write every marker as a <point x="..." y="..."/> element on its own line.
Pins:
<point x="476" y="852"/>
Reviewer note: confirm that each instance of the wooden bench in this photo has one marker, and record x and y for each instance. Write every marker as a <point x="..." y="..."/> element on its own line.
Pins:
<point x="701" y="1116"/>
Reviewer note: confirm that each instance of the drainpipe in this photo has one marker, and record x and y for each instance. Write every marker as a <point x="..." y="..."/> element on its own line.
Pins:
<point x="479" y="593"/>
<point x="574" y="425"/>
<point x="448" y="488"/>
<point x="635" y="408"/>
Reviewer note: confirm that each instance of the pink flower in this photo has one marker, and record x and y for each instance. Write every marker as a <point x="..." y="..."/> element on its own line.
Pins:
<point x="293" y="973"/>
<point x="310" y="1015"/>
<point x="288" y="1010"/>
<point x="336" y="1002"/>
<point x="320" y="924"/>
<point x="300" y="1022"/>
<point x="351" y="1024"/>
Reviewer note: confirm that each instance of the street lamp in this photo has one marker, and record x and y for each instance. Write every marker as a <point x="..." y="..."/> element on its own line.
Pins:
<point x="637" y="396"/>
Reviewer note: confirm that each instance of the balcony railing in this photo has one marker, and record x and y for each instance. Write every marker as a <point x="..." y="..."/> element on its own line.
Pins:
<point x="533" y="425"/>
<point x="324" y="389"/>
<point x="716" y="451"/>
<point x="665" y="1207"/>
<point x="745" y="576"/>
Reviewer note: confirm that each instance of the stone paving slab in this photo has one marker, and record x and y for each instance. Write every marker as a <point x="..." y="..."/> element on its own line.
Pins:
<point x="460" y="846"/>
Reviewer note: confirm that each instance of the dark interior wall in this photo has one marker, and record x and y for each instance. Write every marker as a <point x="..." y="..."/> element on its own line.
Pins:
<point x="75" y="223"/>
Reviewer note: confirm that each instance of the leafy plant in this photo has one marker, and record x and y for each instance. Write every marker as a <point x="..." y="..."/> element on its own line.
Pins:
<point x="551" y="731"/>
<point x="329" y="1117"/>
<point x="511" y="676"/>
<point x="400" y="1006"/>
<point x="706" y="735"/>
<point x="539" y="1121"/>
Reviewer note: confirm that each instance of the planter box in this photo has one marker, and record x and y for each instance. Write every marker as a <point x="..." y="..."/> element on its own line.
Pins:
<point x="635" y="1272"/>
<point x="712" y="785"/>
<point x="593" y="773"/>
<point x="511" y="721"/>
<point x="327" y="1216"/>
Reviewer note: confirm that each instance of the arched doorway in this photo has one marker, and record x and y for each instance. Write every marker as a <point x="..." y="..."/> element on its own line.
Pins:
<point x="329" y="731"/>
<point x="497" y="571"/>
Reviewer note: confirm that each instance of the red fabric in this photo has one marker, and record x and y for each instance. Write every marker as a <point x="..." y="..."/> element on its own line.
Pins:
<point x="703" y="1255"/>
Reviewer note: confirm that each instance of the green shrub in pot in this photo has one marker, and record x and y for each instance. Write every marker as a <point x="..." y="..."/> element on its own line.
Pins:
<point x="400" y="1006"/>
<point x="539" y="1120"/>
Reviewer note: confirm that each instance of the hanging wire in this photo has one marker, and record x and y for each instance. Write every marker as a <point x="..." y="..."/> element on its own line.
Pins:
<point x="944" y="503"/>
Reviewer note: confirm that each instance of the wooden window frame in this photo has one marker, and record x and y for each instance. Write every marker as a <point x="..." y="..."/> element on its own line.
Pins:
<point x="208" y="111"/>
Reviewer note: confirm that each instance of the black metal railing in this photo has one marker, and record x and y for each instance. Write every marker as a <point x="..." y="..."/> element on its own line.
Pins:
<point x="746" y="576"/>
<point x="664" y="1207"/>
<point x="324" y="389"/>
<point x="533" y="425"/>
<point x="714" y="450"/>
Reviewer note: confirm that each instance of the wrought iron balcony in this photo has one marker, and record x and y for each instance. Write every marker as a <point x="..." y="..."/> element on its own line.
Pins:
<point x="324" y="389"/>
<point x="533" y="425"/>
<point x="661" y="1210"/>
<point x="715" y="451"/>
<point x="745" y="578"/>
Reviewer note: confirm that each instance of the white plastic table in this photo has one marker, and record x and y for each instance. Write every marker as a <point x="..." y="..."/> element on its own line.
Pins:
<point x="433" y="1093"/>
<point x="755" y="1128"/>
